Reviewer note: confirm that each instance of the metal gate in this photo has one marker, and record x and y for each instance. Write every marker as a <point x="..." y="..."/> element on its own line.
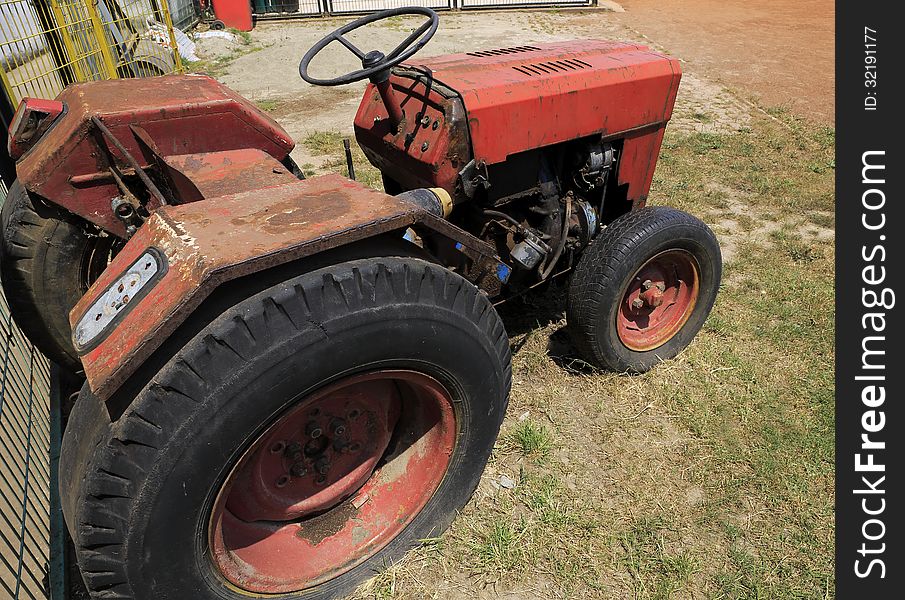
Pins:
<point x="264" y="9"/>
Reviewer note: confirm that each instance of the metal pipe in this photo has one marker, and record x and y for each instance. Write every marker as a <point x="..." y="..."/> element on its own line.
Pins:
<point x="130" y="159"/>
<point x="347" y="146"/>
<point x="562" y="240"/>
<point x="394" y="109"/>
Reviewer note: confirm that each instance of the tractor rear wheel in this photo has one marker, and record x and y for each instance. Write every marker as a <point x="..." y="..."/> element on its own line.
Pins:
<point x="300" y="442"/>
<point x="47" y="262"/>
<point x="643" y="289"/>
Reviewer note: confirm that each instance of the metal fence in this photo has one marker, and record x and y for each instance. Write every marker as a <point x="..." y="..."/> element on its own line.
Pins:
<point x="46" y="44"/>
<point x="184" y="13"/>
<point x="25" y="469"/>
<point x="264" y="9"/>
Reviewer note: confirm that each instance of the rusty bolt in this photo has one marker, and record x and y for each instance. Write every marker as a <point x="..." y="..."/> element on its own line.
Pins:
<point x="435" y="125"/>
<point x="425" y="120"/>
<point x="338" y="426"/>
<point x="298" y="469"/>
<point x="322" y="465"/>
<point x="313" y="430"/>
<point x="637" y="303"/>
<point x="646" y="285"/>
<point x="425" y="146"/>
<point x="292" y="450"/>
<point x="320" y="480"/>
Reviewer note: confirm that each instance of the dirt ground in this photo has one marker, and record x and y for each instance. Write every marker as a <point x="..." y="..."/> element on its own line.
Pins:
<point x="711" y="476"/>
<point x="778" y="52"/>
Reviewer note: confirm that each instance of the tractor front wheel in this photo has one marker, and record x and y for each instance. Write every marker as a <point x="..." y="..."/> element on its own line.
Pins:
<point x="300" y="442"/>
<point x="643" y="289"/>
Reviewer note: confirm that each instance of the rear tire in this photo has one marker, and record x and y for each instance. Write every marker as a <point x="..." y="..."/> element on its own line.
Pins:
<point x="663" y="260"/>
<point x="140" y="491"/>
<point x="47" y="263"/>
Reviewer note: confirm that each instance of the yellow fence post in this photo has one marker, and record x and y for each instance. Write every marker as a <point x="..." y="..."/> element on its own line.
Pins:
<point x="168" y="21"/>
<point x="68" y="45"/>
<point x="98" y="26"/>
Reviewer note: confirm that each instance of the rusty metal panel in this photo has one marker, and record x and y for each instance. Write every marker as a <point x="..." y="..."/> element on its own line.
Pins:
<point x="430" y="146"/>
<point x="211" y="241"/>
<point x="210" y="174"/>
<point x="182" y="114"/>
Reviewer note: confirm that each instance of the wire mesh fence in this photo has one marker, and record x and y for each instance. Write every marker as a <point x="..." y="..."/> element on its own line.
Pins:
<point x="24" y="463"/>
<point x="47" y="44"/>
<point x="184" y="13"/>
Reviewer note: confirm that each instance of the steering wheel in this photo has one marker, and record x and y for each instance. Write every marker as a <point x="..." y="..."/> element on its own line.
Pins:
<point x="373" y="62"/>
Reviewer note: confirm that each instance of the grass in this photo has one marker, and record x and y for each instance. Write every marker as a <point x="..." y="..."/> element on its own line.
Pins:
<point x="711" y="476"/>
<point x="532" y="440"/>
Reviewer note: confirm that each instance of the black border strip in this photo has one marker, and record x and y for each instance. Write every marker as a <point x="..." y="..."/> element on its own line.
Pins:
<point x="870" y="478"/>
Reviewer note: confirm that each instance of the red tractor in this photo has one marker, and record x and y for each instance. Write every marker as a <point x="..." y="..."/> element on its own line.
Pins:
<point x="292" y="381"/>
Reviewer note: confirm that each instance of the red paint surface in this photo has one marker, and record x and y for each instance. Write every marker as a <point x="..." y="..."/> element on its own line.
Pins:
<point x="215" y="240"/>
<point x="658" y="301"/>
<point x="234" y="13"/>
<point x="262" y="554"/>
<point x="535" y="96"/>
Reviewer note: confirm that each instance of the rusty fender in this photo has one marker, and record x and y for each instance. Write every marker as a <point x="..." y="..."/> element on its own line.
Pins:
<point x="182" y="253"/>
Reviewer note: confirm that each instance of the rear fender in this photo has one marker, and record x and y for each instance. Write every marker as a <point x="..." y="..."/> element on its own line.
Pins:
<point x="183" y="253"/>
<point x="182" y="114"/>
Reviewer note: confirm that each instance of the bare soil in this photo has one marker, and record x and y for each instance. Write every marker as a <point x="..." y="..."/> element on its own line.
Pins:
<point x="780" y="52"/>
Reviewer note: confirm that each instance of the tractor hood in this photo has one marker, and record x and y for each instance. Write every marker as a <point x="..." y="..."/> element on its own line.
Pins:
<point x="528" y="97"/>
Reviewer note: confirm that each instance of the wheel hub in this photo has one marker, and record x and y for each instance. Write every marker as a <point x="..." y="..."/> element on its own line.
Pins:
<point x="316" y="457"/>
<point x="332" y="481"/>
<point x="658" y="301"/>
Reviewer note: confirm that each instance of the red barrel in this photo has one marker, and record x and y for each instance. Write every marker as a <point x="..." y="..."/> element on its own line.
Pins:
<point x="233" y="13"/>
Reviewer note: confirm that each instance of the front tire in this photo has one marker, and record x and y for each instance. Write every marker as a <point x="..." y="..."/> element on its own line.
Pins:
<point x="152" y="496"/>
<point x="643" y="289"/>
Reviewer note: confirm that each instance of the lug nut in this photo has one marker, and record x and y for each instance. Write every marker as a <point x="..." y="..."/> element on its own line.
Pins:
<point x="637" y="303"/>
<point x="320" y="480"/>
<point x="313" y="430"/>
<point x="293" y="451"/>
<point x="338" y="426"/>
<point x="298" y="470"/>
<point x="646" y="285"/>
<point x="322" y="465"/>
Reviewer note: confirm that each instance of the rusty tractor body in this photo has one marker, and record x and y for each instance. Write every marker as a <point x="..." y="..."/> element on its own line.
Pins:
<point x="304" y="377"/>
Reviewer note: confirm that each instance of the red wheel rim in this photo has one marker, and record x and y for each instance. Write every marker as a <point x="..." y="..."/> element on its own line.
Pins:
<point x="658" y="300"/>
<point x="332" y="481"/>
